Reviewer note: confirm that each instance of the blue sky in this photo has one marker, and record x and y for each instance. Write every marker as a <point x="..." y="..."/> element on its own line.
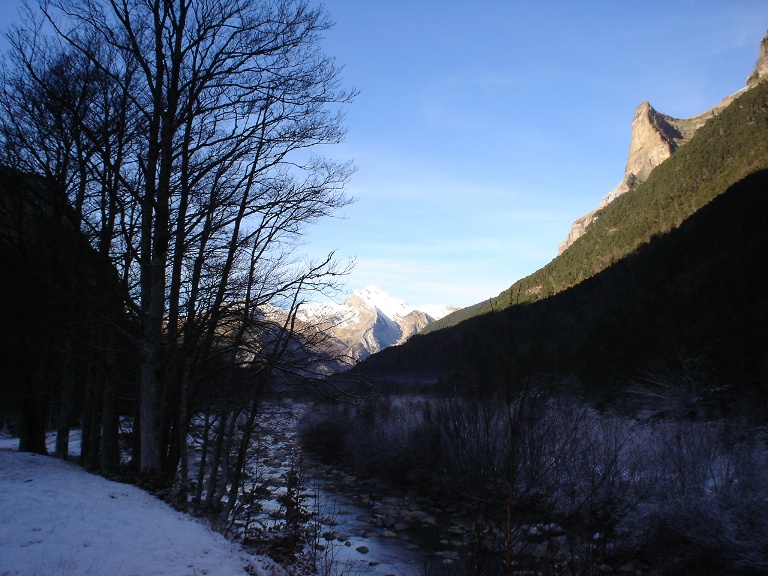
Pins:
<point x="484" y="128"/>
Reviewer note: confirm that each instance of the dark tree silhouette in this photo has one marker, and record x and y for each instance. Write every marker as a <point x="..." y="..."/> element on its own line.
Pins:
<point x="179" y="131"/>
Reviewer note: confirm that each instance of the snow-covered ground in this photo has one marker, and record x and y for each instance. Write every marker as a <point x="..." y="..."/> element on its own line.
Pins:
<point x="57" y="519"/>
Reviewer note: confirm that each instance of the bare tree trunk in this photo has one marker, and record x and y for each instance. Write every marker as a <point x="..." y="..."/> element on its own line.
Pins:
<point x="226" y="453"/>
<point x="136" y="432"/>
<point x="88" y="410"/>
<point x="238" y="470"/>
<point x="66" y="407"/>
<point x="182" y="434"/>
<point x="203" y="460"/>
<point x="110" y="417"/>
<point x="151" y="452"/>
<point x="91" y="460"/>
<point x="34" y="413"/>
<point x="213" y="477"/>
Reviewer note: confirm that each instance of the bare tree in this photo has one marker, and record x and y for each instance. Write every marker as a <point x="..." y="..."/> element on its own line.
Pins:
<point x="64" y="120"/>
<point x="201" y="182"/>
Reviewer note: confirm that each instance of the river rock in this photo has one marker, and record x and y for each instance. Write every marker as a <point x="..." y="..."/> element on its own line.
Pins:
<point x="362" y="549"/>
<point x="448" y="554"/>
<point x="328" y="521"/>
<point x="553" y="529"/>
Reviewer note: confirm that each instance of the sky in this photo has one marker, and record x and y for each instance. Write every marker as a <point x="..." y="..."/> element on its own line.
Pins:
<point x="483" y="128"/>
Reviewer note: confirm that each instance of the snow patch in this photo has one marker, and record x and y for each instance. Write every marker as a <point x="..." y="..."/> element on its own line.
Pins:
<point x="374" y="298"/>
<point x="437" y="311"/>
<point x="370" y="320"/>
<point x="58" y="519"/>
<point x="390" y="306"/>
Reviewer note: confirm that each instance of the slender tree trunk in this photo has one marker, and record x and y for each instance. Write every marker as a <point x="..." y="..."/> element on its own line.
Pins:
<point x="88" y="420"/>
<point x="221" y="489"/>
<point x="66" y="407"/>
<point x="203" y="461"/>
<point x="151" y="454"/>
<point x="183" y="430"/>
<point x="34" y="413"/>
<point x="238" y="470"/>
<point x="91" y="460"/>
<point x="154" y="249"/>
<point x="109" y="461"/>
<point x="152" y="363"/>
<point x="135" y="462"/>
<point x="213" y="477"/>
<point x="172" y="438"/>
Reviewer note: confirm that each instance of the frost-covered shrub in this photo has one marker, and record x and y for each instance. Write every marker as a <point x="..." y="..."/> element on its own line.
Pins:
<point x="324" y="431"/>
<point x="684" y="495"/>
<point x="379" y="436"/>
<point x="710" y="499"/>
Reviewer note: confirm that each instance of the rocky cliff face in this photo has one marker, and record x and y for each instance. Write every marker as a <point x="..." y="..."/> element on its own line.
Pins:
<point x="655" y="137"/>
<point x="370" y="320"/>
<point x="761" y="68"/>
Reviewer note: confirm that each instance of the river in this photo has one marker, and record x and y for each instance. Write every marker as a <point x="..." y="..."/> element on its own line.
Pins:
<point x="360" y="529"/>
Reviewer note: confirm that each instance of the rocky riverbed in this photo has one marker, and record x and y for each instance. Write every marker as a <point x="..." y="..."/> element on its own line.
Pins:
<point x="359" y="529"/>
<point x="362" y="527"/>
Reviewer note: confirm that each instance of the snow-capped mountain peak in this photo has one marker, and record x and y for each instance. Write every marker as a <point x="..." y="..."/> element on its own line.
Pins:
<point x="377" y="298"/>
<point x="371" y="320"/>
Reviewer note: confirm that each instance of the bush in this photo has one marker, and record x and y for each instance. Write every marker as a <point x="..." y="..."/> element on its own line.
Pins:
<point x="685" y="496"/>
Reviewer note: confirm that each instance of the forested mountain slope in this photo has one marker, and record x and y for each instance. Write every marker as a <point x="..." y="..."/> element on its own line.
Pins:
<point x="725" y="150"/>
<point x="672" y="271"/>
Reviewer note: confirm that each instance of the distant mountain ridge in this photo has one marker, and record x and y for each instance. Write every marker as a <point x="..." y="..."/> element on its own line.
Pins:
<point x="370" y="320"/>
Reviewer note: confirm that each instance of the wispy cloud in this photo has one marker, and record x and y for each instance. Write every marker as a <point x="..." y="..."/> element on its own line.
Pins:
<point x="420" y="283"/>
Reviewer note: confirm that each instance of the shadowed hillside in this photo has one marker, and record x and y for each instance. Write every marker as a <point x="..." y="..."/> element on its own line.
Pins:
<point x="695" y="292"/>
<point x="725" y="150"/>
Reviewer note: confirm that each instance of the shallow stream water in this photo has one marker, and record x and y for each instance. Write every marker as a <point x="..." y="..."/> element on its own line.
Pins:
<point x="360" y="532"/>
